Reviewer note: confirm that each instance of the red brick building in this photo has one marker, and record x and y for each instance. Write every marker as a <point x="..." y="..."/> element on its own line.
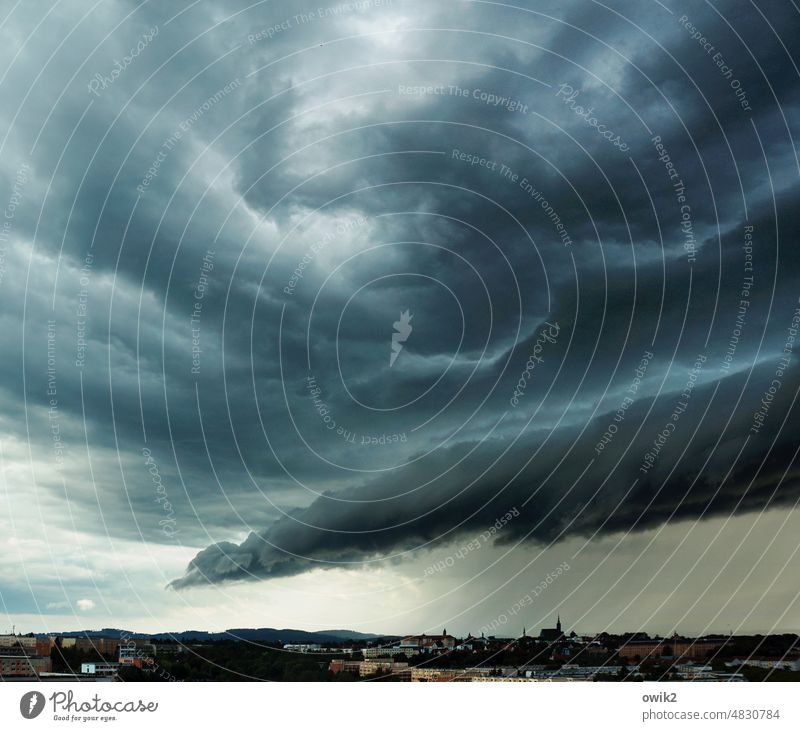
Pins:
<point x="694" y="649"/>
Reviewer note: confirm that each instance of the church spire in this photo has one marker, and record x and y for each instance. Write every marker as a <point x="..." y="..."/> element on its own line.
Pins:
<point x="558" y="623"/>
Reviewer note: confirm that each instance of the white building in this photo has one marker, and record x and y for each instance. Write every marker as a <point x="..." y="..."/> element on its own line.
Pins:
<point x="100" y="668"/>
<point x="302" y="648"/>
<point x="767" y="663"/>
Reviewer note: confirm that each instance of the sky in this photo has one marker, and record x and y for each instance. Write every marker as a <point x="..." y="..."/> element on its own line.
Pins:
<point x="398" y="315"/>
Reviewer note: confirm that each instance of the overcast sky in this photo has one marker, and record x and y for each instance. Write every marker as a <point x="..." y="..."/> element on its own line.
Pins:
<point x="377" y="314"/>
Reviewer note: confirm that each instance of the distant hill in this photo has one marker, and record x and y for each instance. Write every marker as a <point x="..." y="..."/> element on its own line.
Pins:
<point x="347" y="634"/>
<point x="263" y="634"/>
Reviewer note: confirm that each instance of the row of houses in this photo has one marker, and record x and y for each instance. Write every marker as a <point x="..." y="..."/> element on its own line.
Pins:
<point x="674" y="647"/>
<point x="766" y="663"/>
<point x="539" y="673"/>
<point x="403" y="672"/>
<point x="22" y="656"/>
<point x="30" y="656"/>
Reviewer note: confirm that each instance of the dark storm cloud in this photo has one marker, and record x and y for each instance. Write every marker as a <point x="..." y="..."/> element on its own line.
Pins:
<point x="695" y="477"/>
<point x="320" y="136"/>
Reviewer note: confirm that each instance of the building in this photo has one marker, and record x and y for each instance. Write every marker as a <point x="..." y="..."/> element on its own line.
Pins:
<point x="108" y="645"/>
<point x="24" y="655"/>
<point x="108" y="669"/>
<point x="38" y="646"/>
<point x="434" y="675"/>
<point x="84" y="644"/>
<point x="472" y="644"/>
<point x="302" y="648"/>
<point x="99" y="645"/>
<point x="591" y="671"/>
<point x="727" y="677"/>
<point x="553" y="634"/>
<point x="24" y="665"/>
<point x="138" y="656"/>
<point x="417" y="644"/>
<point x="373" y="652"/>
<point x="368" y="668"/>
<point x="491" y="679"/>
<point x="168" y="648"/>
<point x="766" y="663"/>
<point x="675" y="646"/>
<point x="448" y="675"/>
<point x="345" y="666"/>
<point x="692" y="671"/>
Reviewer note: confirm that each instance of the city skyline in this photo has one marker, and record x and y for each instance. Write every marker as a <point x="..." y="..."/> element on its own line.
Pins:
<point x="288" y="655"/>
